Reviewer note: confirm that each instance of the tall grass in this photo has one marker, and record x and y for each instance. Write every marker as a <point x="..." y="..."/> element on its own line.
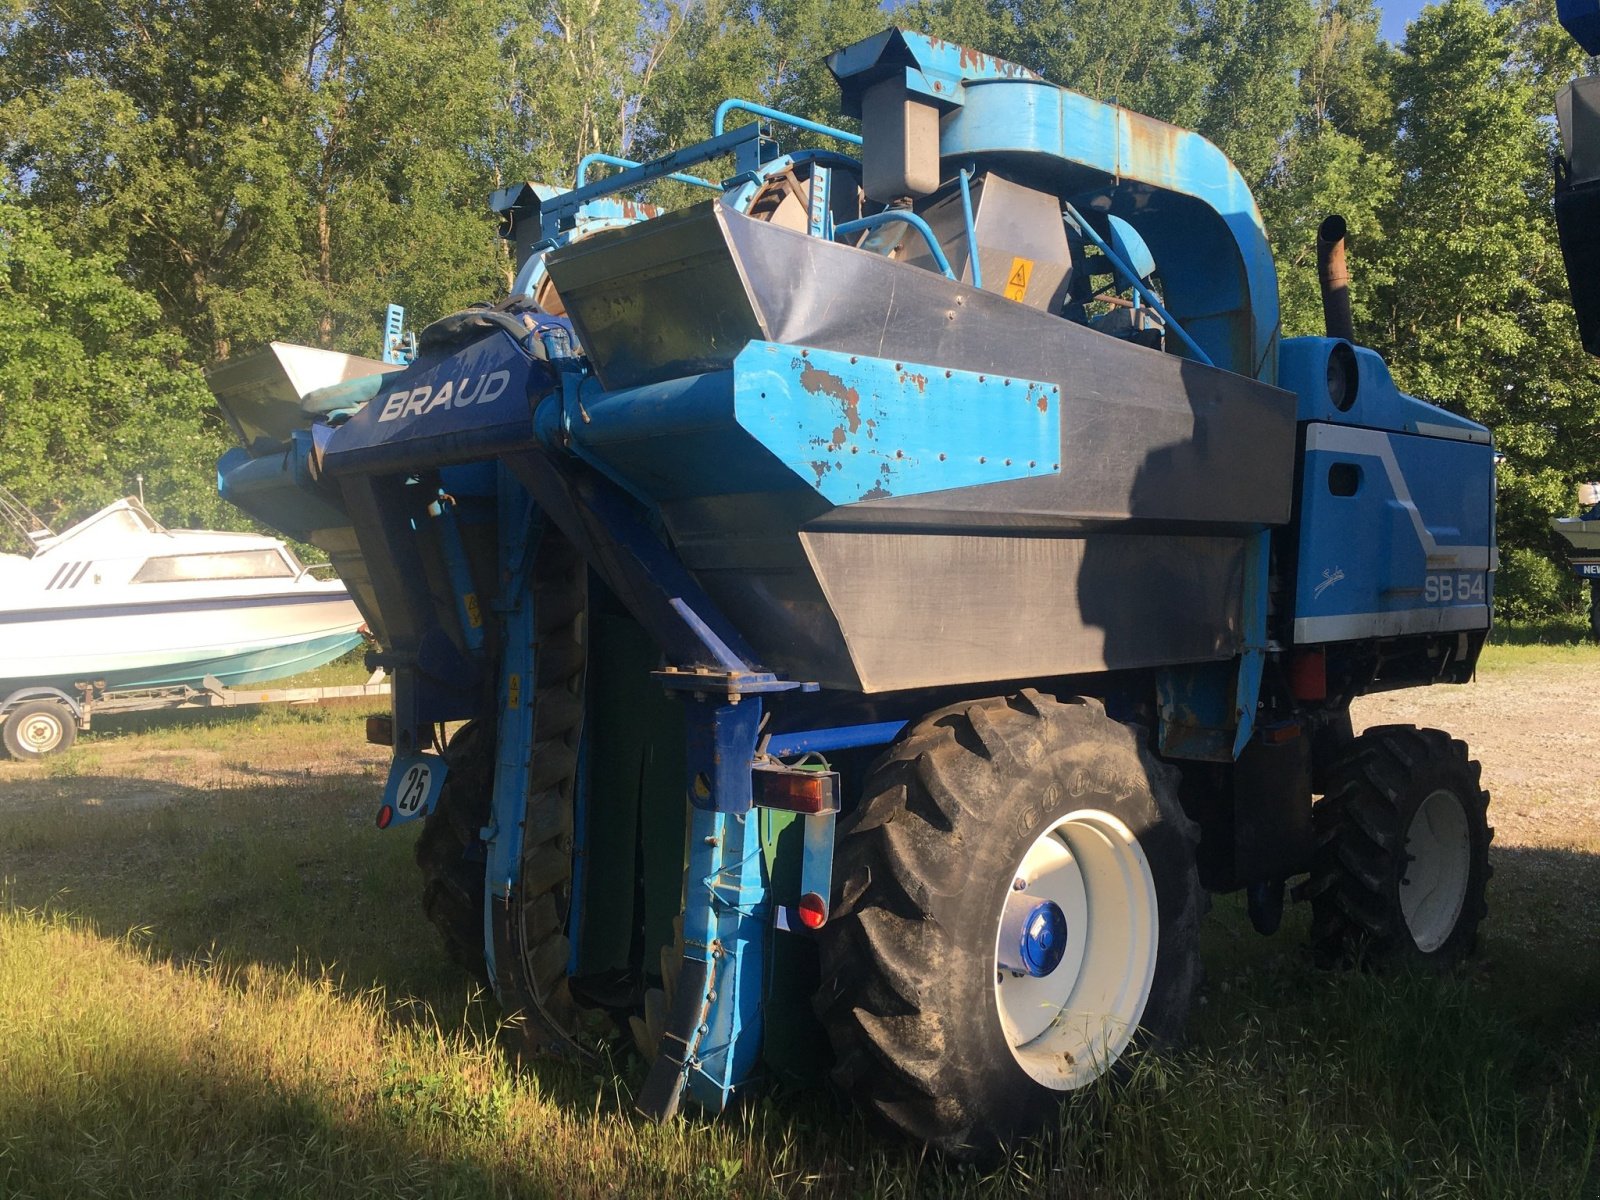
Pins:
<point x="280" y="1022"/>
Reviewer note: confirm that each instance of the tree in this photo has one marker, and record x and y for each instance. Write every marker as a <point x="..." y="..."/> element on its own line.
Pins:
<point x="1335" y="159"/>
<point x="92" y="390"/>
<point x="1474" y="312"/>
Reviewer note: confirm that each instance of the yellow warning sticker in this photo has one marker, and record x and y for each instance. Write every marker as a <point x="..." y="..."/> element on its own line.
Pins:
<point x="1017" y="280"/>
<point x="514" y="692"/>
<point x="474" y="617"/>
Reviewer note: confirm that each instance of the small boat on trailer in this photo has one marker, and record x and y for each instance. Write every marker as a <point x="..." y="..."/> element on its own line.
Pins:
<point x="120" y="604"/>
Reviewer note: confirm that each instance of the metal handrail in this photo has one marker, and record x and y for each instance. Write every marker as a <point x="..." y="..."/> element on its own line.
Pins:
<point x="773" y="114"/>
<point x="888" y="215"/>
<point x="612" y="160"/>
<point x="1137" y="284"/>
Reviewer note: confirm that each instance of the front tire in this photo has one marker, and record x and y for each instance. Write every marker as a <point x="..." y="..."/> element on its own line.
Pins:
<point x="37" y="728"/>
<point x="933" y="1032"/>
<point x="1402" y="858"/>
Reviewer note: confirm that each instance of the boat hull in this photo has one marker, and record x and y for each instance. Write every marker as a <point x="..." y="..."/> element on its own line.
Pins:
<point x="237" y="640"/>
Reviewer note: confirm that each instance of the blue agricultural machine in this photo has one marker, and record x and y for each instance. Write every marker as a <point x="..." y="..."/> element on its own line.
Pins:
<point x="883" y="598"/>
<point x="1577" y="207"/>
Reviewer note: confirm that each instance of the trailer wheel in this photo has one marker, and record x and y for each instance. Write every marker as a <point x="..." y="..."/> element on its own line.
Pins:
<point x="1402" y="852"/>
<point x="532" y="949"/>
<point x="36" y="728"/>
<point x="1016" y="908"/>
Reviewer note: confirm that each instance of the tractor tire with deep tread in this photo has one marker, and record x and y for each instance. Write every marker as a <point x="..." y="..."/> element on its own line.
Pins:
<point x="449" y="850"/>
<point x="534" y="951"/>
<point x="912" y="996"/>
<point x="36" y="729"/>
<point x="1402" y="858"/>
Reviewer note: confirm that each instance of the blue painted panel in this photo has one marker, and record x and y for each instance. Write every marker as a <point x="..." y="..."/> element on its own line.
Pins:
<point x="1379" y="404"/>
<point x="930" y="66"/>
<point x="1410" y="550"/>
<point x="862" y="428"/>
<point x="1208" y="240"/>
<point x="443" y="407"/>
<point x="1581" y="18"/>
<point x="413" y="786"/>
<point x="849" y="430"/>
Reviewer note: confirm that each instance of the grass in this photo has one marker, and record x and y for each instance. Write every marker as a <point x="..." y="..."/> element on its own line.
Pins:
<point x="215" y="981"/>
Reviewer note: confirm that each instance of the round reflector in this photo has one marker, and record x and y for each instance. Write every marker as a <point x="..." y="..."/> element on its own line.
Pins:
<point x="813" y="911"/>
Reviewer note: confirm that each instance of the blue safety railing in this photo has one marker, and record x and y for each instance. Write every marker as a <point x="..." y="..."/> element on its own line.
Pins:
<point x="889" y="216"/>
<point x="611" y="160"/>
<point x="782" y="118"/>
<point x="1138" y="285"/>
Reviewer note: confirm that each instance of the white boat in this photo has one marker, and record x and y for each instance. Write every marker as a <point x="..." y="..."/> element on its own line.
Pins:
<point x="120" y="599"/>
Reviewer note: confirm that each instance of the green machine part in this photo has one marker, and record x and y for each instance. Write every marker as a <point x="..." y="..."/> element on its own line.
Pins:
<point x="633" y="841"/>
<point x="633" y="850"/>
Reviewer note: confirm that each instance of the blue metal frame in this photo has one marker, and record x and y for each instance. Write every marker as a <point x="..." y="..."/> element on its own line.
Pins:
<point x="904" y="216"/>
<point x="972" y="229"/>
<point x="1137" y="284"/>
<point x="840" y="737"/>
<point x="744" y="143"/>
<point x="468" y="611"/>
<point x="612" y="160"/>
<point x="772" y="114"/>
<point x="519" y="528"/>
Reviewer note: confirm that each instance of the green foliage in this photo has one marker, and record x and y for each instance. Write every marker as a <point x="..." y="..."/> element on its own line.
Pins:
<point x="1530" y="587"/>
<point x="234" y="174"/>
<point x="93" y="389"/>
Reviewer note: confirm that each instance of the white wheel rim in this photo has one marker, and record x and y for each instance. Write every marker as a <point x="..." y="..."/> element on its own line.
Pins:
<point x="40" y="733"/>
<point x="1434" y="887"/>
<point x="1067" y="1028"/>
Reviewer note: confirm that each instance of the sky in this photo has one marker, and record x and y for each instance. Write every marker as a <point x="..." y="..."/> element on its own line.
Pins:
<point x="1395" y="15"/>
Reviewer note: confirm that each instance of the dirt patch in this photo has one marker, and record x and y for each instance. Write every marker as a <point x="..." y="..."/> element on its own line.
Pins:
<point x="130" y="773"/>
<point x="1536" y="730"/>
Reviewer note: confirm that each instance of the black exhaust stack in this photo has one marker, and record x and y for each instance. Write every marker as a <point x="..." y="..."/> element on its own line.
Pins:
<point x="1334" y="278"/>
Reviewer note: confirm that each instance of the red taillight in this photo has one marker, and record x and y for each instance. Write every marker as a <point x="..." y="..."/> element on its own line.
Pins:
<point x="1308" y="675"/>
<point x="812" y="911"/>
<point x="808" y="792"/>
<point x="385" y="815"/>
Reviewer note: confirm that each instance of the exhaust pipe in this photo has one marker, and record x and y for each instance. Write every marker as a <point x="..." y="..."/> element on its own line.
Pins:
<point x="1334" y="278"/>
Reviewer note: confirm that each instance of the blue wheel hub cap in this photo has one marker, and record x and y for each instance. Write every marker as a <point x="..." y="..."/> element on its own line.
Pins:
<point x="1033" y="936"/>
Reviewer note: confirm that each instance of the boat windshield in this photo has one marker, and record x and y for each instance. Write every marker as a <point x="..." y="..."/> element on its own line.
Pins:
<point x="232" y="564"/>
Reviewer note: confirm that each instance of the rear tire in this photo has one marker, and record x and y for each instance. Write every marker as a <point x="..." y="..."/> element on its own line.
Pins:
<point x="532" y="949"/>
<point x="35" y="729"/>
<point x="1402" y="858"/>
<point x="973" y="799"/>
<point x="450" y="852"/>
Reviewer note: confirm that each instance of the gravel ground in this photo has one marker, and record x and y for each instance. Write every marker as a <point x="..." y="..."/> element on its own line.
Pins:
<point x="1535" y="727"/>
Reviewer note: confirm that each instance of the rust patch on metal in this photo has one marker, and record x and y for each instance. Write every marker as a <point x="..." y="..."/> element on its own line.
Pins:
<point x="916" y="380"/>
<point x="1044" y="403"/>
<point x="838" y="437"/>
<point x="1153" y="148"/>
<point x="821" y="467"/>
<point x="638" y="210"/>
<point x="826" y="383"/>
<point x="876" y="492"/>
